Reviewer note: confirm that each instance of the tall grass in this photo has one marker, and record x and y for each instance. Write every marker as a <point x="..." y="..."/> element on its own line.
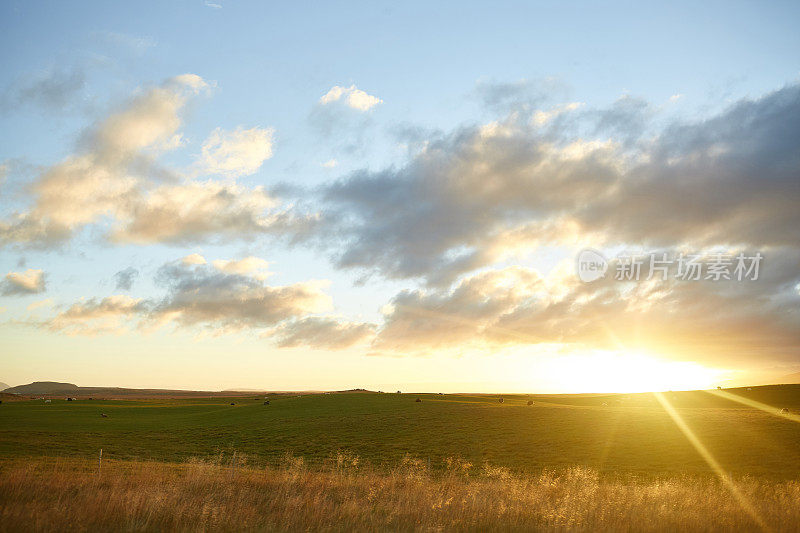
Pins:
<point x="67" y="495"/>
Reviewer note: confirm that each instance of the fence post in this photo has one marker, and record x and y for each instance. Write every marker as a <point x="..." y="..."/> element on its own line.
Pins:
<point x="100" y="462"/>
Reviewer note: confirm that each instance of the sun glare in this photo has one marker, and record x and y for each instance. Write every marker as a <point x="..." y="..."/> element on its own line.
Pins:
<point x="628" y="372"/>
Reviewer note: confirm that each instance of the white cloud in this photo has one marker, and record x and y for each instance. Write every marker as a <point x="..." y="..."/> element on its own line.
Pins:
<point x="115" y="179"/>
<point x="236" y="153"/>
<point x="252" y="266"/>
<point x="106" y="177"/>
<point x="330" y="163"/>
<point x="353" y="97"/>
<point x="194" y="259"/>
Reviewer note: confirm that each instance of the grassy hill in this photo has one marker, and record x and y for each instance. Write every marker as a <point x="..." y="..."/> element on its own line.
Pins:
<point x="627" y="433"/>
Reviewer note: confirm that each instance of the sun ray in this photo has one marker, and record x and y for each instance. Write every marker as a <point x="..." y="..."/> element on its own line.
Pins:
<point x="775" y="411"/>
<point x="711" y="461"/>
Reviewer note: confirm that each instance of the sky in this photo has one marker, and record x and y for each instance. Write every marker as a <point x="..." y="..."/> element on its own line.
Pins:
<point x="308" y="196"/>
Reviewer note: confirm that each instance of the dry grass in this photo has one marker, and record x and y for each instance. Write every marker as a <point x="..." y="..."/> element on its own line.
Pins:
<point x="59" y="495"/>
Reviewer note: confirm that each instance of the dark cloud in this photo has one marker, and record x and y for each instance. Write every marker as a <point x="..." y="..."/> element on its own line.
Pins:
<point x="125" y="278"/>
<point x="626" y="119"/>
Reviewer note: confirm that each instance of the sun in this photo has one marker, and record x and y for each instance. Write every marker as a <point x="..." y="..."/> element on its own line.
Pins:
<point x="622" y="371"/>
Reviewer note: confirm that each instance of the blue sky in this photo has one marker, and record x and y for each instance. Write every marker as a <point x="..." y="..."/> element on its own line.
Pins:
<point x="601" y="81"/>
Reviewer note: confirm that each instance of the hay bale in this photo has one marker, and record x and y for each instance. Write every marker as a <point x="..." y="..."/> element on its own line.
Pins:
<point x="530" y="402"/>
<point x="501" y="400"/>
<point x="266" y="402"/>
<point x="418" y="400"/>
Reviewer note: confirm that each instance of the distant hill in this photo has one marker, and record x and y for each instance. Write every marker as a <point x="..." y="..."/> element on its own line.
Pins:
<point x="43" y="387"/>
<point x="55" y="389"/>
<point x="3" y="386"/>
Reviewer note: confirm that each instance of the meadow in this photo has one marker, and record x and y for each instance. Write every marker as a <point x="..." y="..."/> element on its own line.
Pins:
<point x="363" y="460"/>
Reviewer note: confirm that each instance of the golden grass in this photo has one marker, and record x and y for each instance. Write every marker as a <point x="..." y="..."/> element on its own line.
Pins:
<point x="70" y="495"/>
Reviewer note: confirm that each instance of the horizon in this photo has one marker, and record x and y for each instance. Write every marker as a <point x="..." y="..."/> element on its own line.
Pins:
<point x="511" y="198"/>
<point x="381" y="391"/>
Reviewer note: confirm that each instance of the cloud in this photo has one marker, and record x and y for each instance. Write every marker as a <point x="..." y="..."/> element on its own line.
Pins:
<point x="625" y="120"/>
<point x="53" y="90"/>
<point x="521" y="95"/>
<point x="220" y="297"/>
<point x="224" y="302"/>
<point x="194" y="259"/>
<point x="480" y="194"/>
<point x="125" y="278"/>
<point x="323" y="332"/>
<point x="31" y="281"/>
<point x="114" y="181"/>
<point x="102" y="180"/>
<point x="427" y="320"/>
<point x="236" y="153"/>
<point x="710" y="322"/>
<point x="47" y="302"/>
<point x="351" y="96"/>
<point x="253" y="266"/>
<point x="96" y="316"/>
<point x="203" y="211"/>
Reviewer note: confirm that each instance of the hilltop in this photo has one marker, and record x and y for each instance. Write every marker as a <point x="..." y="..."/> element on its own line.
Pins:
<point x="43" y="387"/>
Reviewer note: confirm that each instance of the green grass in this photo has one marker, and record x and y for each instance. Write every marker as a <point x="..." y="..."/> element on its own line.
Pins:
<point x="630" y="434"/>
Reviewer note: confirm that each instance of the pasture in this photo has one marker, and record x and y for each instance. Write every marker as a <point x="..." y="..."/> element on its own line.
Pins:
<point x="612" y="434"/>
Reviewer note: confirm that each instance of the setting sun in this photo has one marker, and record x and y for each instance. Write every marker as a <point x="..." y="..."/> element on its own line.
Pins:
<point x="628" y="372"/>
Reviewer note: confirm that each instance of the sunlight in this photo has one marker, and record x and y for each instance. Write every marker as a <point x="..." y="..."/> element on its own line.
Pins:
<point x="602" y="371"/>
<point x="710" y="460"/>
<point x="769" y="409"/>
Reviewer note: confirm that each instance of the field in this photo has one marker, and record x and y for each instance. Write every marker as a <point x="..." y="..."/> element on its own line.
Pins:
<point x="370" y="457"/>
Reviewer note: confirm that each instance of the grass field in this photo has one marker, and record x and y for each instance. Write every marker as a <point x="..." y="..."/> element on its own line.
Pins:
<point x="609" y="433"/>
<point x="365" y="460"/>
<point x="70" y="495"/>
